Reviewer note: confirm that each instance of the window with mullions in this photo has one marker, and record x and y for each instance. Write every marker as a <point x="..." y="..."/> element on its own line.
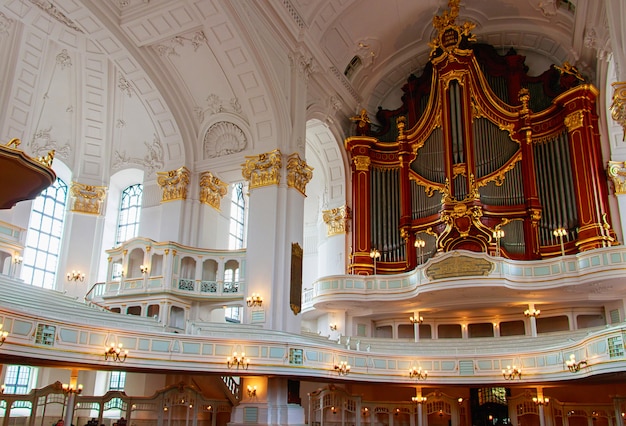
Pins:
<point x="17" y="379"/>
<point x="236" y="239"/>
<point x="43" y="239"/>
<point x="117" y="380"/>
<point x="130" y="212"/>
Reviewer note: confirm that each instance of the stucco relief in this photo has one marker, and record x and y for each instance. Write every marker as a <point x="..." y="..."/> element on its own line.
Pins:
<point x="223" y="138"/>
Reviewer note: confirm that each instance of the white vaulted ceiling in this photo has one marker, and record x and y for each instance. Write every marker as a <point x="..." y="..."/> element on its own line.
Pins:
<point x="151" y="76"/>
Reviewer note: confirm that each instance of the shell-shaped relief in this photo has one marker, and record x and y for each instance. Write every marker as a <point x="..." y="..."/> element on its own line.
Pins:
<point x="223" y="138"/>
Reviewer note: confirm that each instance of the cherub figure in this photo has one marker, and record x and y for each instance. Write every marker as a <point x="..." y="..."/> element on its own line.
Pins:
<point x="364" y="124"/>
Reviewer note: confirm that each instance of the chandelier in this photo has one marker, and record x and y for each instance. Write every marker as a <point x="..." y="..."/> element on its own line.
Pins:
<point x="343" y="368"/>
<point x="511" y="373"/>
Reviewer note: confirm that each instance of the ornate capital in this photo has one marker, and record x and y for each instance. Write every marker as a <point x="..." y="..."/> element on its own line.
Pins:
<point x="618" y="105"/>
<point x="212" y="190"/>
<point x="263" y="169"/>
<point x="298" y="173"/>
<point x="303" y="63"/>
<point x="574" y="121"/>
<point x="337" y="220"/>
<point x="87" y="198"/>
<point x="174" y="184"/>
<point x="361" y="162"/>
<point x="617" y="173"/>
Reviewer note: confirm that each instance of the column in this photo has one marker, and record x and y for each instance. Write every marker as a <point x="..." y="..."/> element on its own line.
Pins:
<point x="82" y="254"/>
<point x="174" y="186"/>
<point x="617" y="407"/>
<point x="586" y="159"/>
<point x="533" y="205"/>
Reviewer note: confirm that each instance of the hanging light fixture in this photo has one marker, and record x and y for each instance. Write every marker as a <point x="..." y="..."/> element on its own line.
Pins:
<point x="116" y="353"/>
<point x="574" y="366"/>
<point x="3" y="335"/>
<point x="511" y="373"/>
<point x="238" y="360"/>
<point x="418" y="373"/>
<point x="343" y="368"/>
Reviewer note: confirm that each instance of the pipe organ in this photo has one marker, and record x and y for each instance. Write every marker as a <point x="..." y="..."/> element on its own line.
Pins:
<point x="480" y="156"/>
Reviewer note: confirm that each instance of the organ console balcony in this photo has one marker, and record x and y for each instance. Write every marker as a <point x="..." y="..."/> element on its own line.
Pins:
<point x="479" y="146"/>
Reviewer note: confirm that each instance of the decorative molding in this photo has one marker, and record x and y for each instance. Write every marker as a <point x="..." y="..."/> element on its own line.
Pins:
<point x="55" y="13"/>
<point x="152" y="161"/>
<point x="294" y="14"/>
<point x="43" y="143"/>
<point x="223" y="138"/>
<point x="574" y="121"/>
<point x="174" y="184"/>
<point x="617" y="172"/>
<point x="63" y="59"/>
<point x="337" y="220"/>
<point x="197" y="40"/>
<point x="298" y="173"/>
<point x="124" y="85"/>
<point x="5" y="23"/>
<point x="212" y="190"/>
<point x="361" y="162"/>
<point x="618" y="105"/>
<point x="263" y="169"/>
<point x="302" y="63"/>
<point x="87" y="198"/>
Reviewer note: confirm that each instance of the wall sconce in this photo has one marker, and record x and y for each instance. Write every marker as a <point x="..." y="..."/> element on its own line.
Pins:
<point x="418" y="399"/>
<point x="3" y="335"/>
<point x="511" y="373"/>
<point x="460" y="401"/>
<point x="418" y="373"/>
<point x="254" y="300"/>
<point x="560" y="233"/>
<point x="416" y="320"/>
<point x="333" y="327"/>
<point x="420" y="244"/>
<point x="574" y="366"/>
<point x="541" y="400"/>
<point x="440" y="413"/>
<point x="498" y="234"/>
<point x="251" y="391"/>
<point x="238" y="360"/>
<point x="75" y="276"/>
<point x="143" y="269"/>
<point x="115" y="352"/>
<point x="532" y="312"/>
<point x="343" y="368"/>
<point x="69" y="389"/>
<point x="366" y="411"/>
<point x="375" y="254"/>
<point x="17" y="259"/>
<point x="333" y="409"/>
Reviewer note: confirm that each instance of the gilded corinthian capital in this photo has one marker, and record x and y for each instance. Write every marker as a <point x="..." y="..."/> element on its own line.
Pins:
<point x="174" y="184"/>
<point x="618" y="105"/>
<point x="263" y="169"/>
<point x="298" y="173"/>
<point x="212" y="190"/>
<point x="617" y="173"/>
<point x="87" y="198"/>
<point x="336" y="220"/>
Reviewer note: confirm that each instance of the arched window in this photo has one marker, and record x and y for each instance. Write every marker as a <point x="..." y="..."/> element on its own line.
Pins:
<point x="43" y="239"/>
<point x="130" y="212"/>
<point x="238" y="207"/>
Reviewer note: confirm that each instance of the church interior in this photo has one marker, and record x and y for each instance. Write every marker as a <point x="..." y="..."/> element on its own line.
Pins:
<point x="312" y="212"/>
